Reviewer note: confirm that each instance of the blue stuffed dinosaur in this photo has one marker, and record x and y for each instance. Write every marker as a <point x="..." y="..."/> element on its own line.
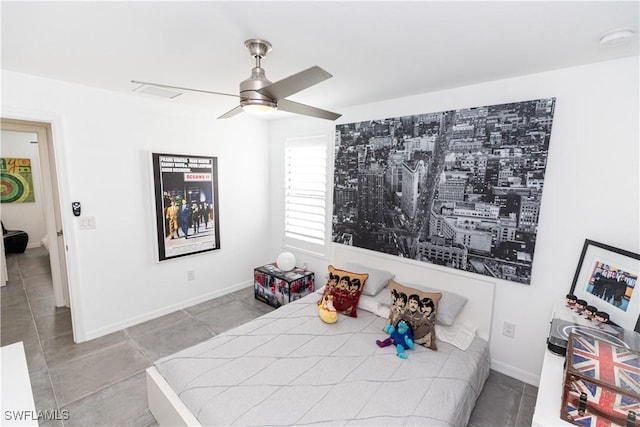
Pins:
<point x="401" y="337"/>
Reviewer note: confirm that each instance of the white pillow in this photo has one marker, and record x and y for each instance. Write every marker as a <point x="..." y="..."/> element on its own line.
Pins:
<point x="377" y="280"/>
<point x="372" y="305"/>
<point x="384" y="311"/>
<point x="368" y="303"/>
<point x="460" y="336"/>
<point x="449" y="307"/>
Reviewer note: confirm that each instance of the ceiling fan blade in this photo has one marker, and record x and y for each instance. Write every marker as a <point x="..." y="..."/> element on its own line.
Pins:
<point x="184" y="88"/>
<point x="307" y="110"/>
<point x="295" y="83"/>
<point x="231" y="113"/>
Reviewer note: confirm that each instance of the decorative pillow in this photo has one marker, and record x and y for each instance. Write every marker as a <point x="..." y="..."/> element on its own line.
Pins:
<point x="346" y="287"/>
<point x="449" y="307"/>
<point x="418" y="309"/>
<point x="377" y="280"/>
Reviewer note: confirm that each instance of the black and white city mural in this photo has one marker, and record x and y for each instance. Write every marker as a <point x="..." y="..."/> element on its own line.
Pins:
<point x="457" y="188"/>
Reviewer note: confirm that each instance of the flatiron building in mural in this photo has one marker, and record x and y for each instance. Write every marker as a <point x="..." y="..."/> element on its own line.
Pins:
<point x="458" y="188"/>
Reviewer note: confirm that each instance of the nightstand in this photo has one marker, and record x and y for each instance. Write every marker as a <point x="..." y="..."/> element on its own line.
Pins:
<point x="276" y="287"/>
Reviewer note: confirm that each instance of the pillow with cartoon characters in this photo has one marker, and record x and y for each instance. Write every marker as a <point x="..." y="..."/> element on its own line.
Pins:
<point x="345" y="287"/>
<point x="377" y="280"/>
<point x="418" y="308"/>
<point x="449" y="306"/>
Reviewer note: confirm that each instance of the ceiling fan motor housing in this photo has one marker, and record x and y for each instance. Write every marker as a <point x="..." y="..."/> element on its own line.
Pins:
<point x="250" y="86"/>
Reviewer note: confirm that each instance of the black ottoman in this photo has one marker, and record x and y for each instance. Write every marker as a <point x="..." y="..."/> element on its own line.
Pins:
<point x="15" y="241"/>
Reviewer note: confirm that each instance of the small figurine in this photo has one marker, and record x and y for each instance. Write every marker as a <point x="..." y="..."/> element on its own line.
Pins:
<point x="590" y="311"/>
<point x="571" y="301"/>
<point x="326" y="310"/>
<point x="580" y="306"/>
<point x="602" y="318"/>
<point x="401" y="337"/>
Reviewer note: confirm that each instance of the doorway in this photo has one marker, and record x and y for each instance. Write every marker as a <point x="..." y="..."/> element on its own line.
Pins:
<point x="50" y="205"/>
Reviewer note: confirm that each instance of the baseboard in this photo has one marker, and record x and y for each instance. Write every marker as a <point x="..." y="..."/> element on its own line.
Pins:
<point x="516" y="373"/>
<point x="114" y="327"/>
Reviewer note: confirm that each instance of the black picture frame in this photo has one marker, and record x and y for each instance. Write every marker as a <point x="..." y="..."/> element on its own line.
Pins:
<point x="186" y="204"/>
<point x="603" y="265"/>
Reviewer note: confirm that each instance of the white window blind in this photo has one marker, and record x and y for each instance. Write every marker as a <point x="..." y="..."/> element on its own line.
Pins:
<point x="305" y="190"/>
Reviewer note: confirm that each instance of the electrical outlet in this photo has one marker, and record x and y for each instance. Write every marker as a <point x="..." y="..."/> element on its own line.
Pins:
<point x="509" y="329"/>
<point x="191" y="275"/>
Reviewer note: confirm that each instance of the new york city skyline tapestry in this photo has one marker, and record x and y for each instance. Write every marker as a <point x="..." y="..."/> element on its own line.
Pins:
<point x="459" y="188"/>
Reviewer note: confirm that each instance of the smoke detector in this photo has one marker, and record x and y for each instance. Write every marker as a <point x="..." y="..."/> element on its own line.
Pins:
<point x="617" y="37"/>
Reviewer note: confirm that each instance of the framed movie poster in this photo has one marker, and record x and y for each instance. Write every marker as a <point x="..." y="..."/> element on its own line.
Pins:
<point x="606" y="278"/>
<point x="186" y="195"/>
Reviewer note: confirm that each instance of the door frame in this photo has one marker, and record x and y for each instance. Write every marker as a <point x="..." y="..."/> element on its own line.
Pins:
<point x="58" y="247"/>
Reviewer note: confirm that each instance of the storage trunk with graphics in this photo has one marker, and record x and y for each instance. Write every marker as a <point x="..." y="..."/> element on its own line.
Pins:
<point x="601" y="383"/>
<point x="277" y="287"/>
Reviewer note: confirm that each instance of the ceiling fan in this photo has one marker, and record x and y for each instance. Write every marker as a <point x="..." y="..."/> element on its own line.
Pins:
<point x="257" y="93"/>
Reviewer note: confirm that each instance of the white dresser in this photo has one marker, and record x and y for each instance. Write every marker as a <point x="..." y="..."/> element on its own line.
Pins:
<point x="547" y="412"/>
<point x="549" y="400"/>
<point x="16" y="396"/>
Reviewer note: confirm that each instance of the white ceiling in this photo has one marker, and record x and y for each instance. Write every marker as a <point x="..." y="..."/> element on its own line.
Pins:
<point x="375" y="50"/>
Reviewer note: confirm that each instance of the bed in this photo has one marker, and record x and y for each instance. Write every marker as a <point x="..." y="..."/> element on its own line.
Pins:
<point x="289" y="368"/>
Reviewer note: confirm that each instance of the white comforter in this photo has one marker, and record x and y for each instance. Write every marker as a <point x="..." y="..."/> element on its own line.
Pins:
<point x="290" y="368"/>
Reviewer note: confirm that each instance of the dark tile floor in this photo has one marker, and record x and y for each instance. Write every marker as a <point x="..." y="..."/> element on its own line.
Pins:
<point x="102" y="382"/>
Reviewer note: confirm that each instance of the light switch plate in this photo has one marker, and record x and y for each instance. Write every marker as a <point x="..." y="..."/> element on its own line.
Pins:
<point x="87" y="223"/>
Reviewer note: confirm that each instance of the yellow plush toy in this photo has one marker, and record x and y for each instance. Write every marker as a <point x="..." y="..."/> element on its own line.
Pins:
<point x="326" y="311"/>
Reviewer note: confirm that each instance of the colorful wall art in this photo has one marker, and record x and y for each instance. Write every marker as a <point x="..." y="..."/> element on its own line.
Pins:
<point x="16" y="181"/>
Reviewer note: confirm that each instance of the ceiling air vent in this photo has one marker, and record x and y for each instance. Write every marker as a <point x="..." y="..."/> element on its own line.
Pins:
<point x="157" y="91"/>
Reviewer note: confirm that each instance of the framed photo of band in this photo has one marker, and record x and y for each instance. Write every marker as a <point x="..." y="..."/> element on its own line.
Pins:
<point x="186" y="204"/>
<point x="607" y="278"/>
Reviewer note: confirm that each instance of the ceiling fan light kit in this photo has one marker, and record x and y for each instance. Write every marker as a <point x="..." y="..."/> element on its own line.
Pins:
<point x="259" y="95"/>
<point x="255" y="108"/>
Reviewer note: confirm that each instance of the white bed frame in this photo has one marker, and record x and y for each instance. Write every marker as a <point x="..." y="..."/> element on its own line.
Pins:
<point x="169" y="410"/>
<point x="164" y="403"/>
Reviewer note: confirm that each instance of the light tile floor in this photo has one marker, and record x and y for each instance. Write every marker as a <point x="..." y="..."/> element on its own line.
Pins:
<point x="102" y="382"/>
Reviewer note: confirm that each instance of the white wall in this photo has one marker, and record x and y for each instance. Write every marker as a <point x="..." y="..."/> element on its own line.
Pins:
<point x="592" y="188"/>
<point x="103" y="143"/>
<point x="29" y="216"/>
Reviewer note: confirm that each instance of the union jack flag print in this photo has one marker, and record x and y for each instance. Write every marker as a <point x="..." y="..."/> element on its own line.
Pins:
<point x="609" y="375"/>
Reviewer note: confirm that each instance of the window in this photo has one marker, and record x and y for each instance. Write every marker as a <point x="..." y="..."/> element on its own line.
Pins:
<point x="305" y="192"/>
